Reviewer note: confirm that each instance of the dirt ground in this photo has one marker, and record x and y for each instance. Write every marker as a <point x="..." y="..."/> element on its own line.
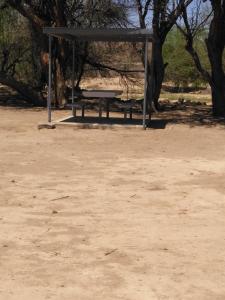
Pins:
<point x="111" y="214"/>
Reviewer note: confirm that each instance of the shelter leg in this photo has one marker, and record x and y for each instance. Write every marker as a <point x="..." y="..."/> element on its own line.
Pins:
<point x="145" y="87"/>
<point x="151" y="85"/>
<point x="73" y="68"/>
<point x="50" y="81"/>
<point x="107" y="108"/>
<point x="100" y="108"/>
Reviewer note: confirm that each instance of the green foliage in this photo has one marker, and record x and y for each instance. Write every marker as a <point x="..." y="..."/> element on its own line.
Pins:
<point x="181" y="69"/>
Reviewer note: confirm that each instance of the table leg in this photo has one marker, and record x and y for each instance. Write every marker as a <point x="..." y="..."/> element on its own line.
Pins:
<point x="107" y="108"/>
<point x="100" y="108"/>
<point x="83" y="111"/>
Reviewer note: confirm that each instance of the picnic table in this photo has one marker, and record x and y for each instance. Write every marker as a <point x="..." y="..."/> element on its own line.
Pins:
<point x="103" y="96"/>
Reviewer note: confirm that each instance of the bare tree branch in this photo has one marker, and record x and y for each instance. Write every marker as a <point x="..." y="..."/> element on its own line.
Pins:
<point x="28" y="12"/>
<point x="103" y="66"/>
<point x="146" y="8"/>
<point x="29" y="94"/>
<point x="189" y="35"/>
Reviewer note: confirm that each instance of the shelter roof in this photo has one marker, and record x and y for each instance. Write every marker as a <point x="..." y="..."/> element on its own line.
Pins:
<point x="105" y="35"/>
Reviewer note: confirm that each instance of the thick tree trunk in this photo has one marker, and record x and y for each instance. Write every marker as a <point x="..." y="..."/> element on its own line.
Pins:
<point x="217" y="79"/>
<point x="157" y="72"/>
<point x="59" y="66"/>
<point x="82" y="64"/>
<point x="218" y="99"/>
<point x="60" y="55"/>
<point x="28" y="94"/>
<point x="38" y="20"/>
<point x="39" y="57"/>
<point x="215" y="46"/>
<point x="59" y="84"/>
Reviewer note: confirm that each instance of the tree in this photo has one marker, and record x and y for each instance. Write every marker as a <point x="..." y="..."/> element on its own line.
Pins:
<point x="215" y="43"/>
<point x="164" y="14"/>
<point x="181" y="69"/>
<point x="41" y="14"/>
<point x="15" y="56"/>
<point x="59" y="13"/>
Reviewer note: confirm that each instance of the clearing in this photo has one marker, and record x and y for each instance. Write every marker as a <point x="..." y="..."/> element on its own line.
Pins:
<point x="112" y="214"/>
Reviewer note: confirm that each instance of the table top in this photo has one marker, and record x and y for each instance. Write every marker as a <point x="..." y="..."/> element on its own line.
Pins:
<point x="99" y="93"/>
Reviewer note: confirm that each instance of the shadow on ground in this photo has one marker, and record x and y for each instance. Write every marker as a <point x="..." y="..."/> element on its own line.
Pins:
<point x="189" y="113"/>
<point x="9" y="98"/>
<point x="181" y="112"/>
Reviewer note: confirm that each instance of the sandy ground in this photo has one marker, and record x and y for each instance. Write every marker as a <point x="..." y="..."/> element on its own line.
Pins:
<point x="110" y="214"/>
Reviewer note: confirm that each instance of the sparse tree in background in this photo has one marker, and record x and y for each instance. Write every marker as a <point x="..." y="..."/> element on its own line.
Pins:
<point x="215" y="43"/>
<point x="164" y="16"/>
<point x="181" y="70"/>
<point x="161" y="16"/>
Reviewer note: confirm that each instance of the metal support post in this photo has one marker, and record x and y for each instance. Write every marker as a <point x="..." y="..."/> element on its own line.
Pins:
<point x="146" y="84"/>
<point x="73" y="79"/>
<point x="49" y="104"/>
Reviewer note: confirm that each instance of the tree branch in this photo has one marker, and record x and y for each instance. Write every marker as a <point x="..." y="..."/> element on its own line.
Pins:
<point x="140" y="14"/>
<point x="173" y="16"/>
<point x="103" y="66"/>
<point x="189" y="36"/>
<point x="29" y="95"/>
<point x="29" y="13"/>
<point x="146" y="8"/>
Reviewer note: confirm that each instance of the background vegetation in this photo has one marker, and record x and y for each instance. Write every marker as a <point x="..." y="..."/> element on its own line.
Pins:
<point x="181" y="70"/>
<point x="189" y="50"/>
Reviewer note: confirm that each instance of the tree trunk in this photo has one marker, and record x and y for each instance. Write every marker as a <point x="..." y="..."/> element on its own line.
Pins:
<point x="81" y="69"/>
<point x="59" y="83"/>
<point x="40" y="43"/>
<point x="39" y="57"/>
<point x="60" y="55"/>
<point x="157" y="72"/>
<point x="28" y="94"/>
<point x="218" y="99"/>
<point x="217" y="79"/>
<point x="215" y="46"/>
<point x="38" y="20"/>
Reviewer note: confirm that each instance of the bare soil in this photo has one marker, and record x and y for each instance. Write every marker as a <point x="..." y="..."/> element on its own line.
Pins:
<point x="112" y="214"/>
